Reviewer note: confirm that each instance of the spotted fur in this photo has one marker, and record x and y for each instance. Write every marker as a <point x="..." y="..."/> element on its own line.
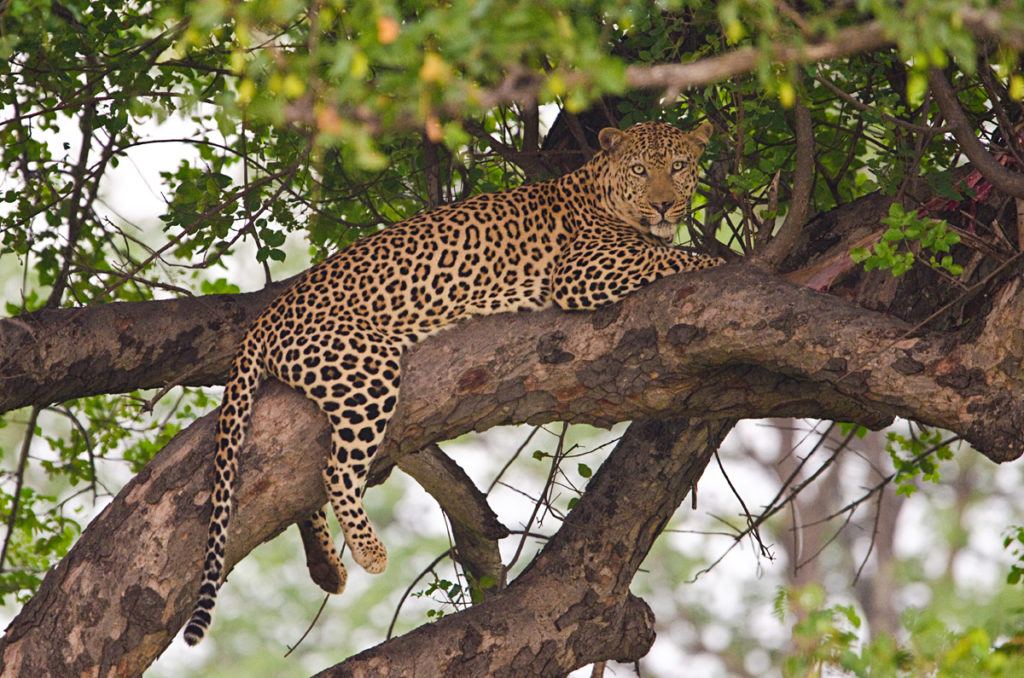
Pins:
<point x="581" y="241"/>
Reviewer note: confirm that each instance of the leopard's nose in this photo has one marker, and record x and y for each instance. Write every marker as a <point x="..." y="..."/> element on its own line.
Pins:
<point x="663" y="207"/>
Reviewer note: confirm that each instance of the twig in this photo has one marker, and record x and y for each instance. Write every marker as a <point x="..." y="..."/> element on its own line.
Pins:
<point x="874" y="536"/>
<point x="860" y="105"/>
<point x="540" y="500"/>
<point x="19" y="481"/>
<point x="769" y="512"/>
<point x="1010" y="137"/>
<point x="291" y="648"/>
<point x="250" y="220"/>
<point x="75" y="211"/>
<point x="408" y="590"/>
<point x="746" y="512"/>
<point x="514" y="457"/>
<point x="884" y="481"/>
<point x="84" y="432"/>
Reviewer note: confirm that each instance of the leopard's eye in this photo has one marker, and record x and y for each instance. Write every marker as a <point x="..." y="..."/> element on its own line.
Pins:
<point x="678" y="165"/>
<point x="639" y="170"/>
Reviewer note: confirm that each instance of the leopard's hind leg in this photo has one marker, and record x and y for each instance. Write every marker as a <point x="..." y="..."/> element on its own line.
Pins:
<point x="325" y="567"/>
<point x="353" y="377"/>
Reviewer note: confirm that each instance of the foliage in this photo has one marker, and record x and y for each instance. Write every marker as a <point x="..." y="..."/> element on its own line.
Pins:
<point x="827" y="637"/>
<point x="1014" y="542"/>
<point x="907" y="229"/>
<point x="915" y="455"/>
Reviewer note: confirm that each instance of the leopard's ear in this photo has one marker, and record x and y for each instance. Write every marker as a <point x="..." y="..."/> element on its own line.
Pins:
<point x="610" y="138"/>
<point x="703" y="133"/>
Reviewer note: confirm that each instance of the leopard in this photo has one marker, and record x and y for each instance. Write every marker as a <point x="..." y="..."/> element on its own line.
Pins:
<point x="579" y="242"/>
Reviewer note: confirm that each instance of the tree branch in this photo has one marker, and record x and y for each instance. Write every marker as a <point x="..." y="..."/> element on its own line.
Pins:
<point x="1007" y="181"/>
<point x="803" y="188"/>
<point x="637" y="358"/>
<point x="522" y="87"/>
<point x="55" y="355"/>
<point x="475" y="526"/>
<point x="846" y="42"/>
<point x="153" y="534"/>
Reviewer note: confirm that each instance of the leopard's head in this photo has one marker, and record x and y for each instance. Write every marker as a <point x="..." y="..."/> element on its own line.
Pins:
<point x="650" y="174"/>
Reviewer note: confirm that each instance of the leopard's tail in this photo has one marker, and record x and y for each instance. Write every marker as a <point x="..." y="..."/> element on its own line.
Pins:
<point x="236" y="407"/>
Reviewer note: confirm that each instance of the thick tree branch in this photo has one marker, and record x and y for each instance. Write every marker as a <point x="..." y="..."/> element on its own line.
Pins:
<point x="59" y="354"/>
<point x="644" y="356"/>
<point x="154" y="531"/>
<point x="834" y="359"/>
<point x="1007" y="181"/>
<point x="56" y="355"/>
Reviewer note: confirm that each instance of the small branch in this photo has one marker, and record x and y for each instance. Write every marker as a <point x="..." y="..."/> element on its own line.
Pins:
<point x="12" y="519"/>
<point x="861" y="106"/>
<point x="846" y="42"/>
<point x="316" y="618"/>
<point x="475" y="526"/>
<point x="401" y="601"/>
<point x="996" y="96"/>
<point x="555" y="460"/>
<point x="765" y="551"/>
<point x="531" y="128"/>
<point x="250" y="220"/>
<point x="1009" y="182"/>
<point x="803" y="190"/>
<point x="460" y="499"/>
<point x="76" y="211"/>
<point x="432" y="172"/>
<point x="519" y="450"/>
<point x="774" y="508"/>
<point x="874" y="537"/>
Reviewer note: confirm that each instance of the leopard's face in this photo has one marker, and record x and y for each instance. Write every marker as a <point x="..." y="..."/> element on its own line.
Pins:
<point x="651" y="174"/>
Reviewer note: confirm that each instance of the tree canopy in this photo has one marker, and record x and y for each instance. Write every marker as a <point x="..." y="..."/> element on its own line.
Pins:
<point x="865" y="181"/>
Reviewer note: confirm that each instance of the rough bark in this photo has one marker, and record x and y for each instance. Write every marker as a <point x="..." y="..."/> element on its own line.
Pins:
<point x="87" y="622"/>
<point x="59" y="354"/>
<point x="653" y="355"/>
